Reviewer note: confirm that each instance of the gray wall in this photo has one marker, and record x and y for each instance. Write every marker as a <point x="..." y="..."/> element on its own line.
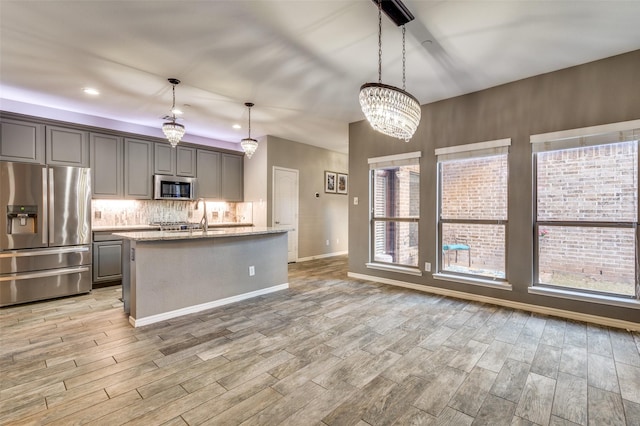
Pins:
<point x="600" y="92"/>
<point x="320" y="218"/>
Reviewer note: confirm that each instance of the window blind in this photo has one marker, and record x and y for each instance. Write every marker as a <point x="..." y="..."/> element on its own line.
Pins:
<point x="397" y="160"/>
<point x="474" y="150"/>
<point x="588" y="136"/>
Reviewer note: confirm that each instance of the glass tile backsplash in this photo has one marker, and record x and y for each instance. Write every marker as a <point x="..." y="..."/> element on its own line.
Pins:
<point x="142" y="212"/>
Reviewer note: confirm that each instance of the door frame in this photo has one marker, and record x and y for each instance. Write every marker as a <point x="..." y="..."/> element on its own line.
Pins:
<point x="273" y="202"/>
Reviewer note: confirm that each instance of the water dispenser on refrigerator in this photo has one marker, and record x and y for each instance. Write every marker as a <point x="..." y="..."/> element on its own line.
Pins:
<point x="22" y="220"/>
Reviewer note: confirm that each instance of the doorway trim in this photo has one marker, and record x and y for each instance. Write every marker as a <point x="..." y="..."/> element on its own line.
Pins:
<point x="294" y="257"/>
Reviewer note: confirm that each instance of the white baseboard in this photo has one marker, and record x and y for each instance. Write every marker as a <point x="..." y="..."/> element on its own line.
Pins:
<point x="139" y="322"/>
<point x="322" y="256"/>
<point x="578" y="316"/>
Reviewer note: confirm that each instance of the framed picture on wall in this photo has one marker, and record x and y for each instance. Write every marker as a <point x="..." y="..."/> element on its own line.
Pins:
<point x="329" y="181"/>
<point x="342" y="186"/>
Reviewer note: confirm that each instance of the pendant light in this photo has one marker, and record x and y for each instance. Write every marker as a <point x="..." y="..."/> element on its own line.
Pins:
<point x="390" y="110"/>
<point x="249" y="145"/>
<point x="172" y="130"/>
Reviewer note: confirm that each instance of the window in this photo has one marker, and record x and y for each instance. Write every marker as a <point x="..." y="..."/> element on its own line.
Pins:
<point x="586" y="227"/>
<point x="472" y="217"/>
<point x="395" y="197"/>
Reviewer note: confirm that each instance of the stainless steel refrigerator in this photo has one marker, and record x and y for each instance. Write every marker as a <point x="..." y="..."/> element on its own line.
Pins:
<point x="45" y="232"/>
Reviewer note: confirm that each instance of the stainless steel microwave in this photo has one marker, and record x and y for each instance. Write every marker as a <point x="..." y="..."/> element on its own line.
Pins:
<point x="173" y="188"/>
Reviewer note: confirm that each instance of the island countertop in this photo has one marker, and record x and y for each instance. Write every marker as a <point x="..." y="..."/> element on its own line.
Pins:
<point x="198" y="234"/>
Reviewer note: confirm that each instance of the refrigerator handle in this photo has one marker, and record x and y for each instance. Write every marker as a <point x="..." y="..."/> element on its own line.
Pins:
<point x="45" y="207"/>
<point x="50" y="207"/>
<point x="45" y="273"/>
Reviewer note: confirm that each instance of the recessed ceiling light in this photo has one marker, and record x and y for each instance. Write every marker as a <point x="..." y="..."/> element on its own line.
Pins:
<point x="91" y="91"/>
<point x="237" y="126"/>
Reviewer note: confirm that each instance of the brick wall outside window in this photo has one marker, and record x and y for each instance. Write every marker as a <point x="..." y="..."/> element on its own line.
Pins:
<point x="595" y="184"/>
<point x="396" y="193"/>
<point x="475" y="189"/>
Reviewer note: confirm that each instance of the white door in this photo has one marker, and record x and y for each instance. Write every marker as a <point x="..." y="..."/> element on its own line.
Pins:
<point x="285" y="206"/>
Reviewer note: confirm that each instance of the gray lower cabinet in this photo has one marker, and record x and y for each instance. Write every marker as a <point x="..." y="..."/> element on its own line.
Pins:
<point x="22" y="141"/>
<point x="232" y="177"/>
<point x="67" y="147"/>
<point x="107" y="261"/>
<point x="138" y="169"/>
<point x="208" y="167"/>
<point x="106" y="166"/>
<point x="107" y="257"/>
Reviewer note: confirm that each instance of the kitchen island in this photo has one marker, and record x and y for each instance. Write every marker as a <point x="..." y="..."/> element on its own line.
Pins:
<point x="167" y="274"/>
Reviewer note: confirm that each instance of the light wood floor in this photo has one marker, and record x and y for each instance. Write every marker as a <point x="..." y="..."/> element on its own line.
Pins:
<point x="330" y="350"/>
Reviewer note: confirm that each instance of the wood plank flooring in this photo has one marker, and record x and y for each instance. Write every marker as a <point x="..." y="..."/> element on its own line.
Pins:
<point x="328" y="351"/>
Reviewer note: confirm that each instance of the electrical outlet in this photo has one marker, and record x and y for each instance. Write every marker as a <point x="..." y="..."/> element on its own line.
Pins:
<point x="337" y="240"/>
<point x="252" y="270"/>
<point x="327" y="243"/>
<point x="427" y="267"/>
<point x="97" y="214"/>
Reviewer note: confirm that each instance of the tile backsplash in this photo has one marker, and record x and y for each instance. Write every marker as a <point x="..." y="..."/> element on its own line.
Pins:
<point x="143" y="212"/>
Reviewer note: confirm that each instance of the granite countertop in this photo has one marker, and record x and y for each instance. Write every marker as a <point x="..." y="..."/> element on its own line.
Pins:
<point x="192" y="235"/>
<point x="124" y="228"/>
<point x="127" y="228"/>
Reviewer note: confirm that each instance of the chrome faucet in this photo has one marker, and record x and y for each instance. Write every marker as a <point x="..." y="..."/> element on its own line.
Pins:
<point x="204" y="222"/>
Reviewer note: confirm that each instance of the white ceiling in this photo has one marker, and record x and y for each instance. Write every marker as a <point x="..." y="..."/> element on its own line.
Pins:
<point x="301" y="62"/>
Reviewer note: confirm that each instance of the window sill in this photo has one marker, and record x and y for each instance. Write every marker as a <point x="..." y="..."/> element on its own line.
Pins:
<point x="500" y="285"/>
<point x="395" y="268"/>
<point x="594" y="298"/>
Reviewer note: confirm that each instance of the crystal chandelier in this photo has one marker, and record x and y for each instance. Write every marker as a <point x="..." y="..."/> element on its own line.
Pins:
<point x="390" y="110"/>
<point x="172" y="130"/>
<point x="249" y="145"/>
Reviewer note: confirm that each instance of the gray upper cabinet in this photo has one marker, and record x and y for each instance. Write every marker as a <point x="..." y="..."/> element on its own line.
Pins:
<point x="232" y="177"/>
<point x="186" y="162"/>
<point x="165" y="159"/>
<point x="67" y="147"/>
<point x="208" y="167"/>
<point x="22" y="141"/>
<point x="138" y="169"/>
<point x="178" y="161"/>
<point x="122" y="167"/>
<point x="106" y="166"/>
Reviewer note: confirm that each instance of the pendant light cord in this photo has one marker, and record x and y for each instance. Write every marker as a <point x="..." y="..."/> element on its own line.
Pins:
<point x="249" y="122"/>
<point x="173" y="106"/>
<point x="404" y="51"/>
<point x="379" y="41"/>
<point x="403" y="61"/>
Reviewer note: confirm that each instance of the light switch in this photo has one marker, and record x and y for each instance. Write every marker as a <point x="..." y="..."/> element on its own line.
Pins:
<point x="355" y="201"/>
